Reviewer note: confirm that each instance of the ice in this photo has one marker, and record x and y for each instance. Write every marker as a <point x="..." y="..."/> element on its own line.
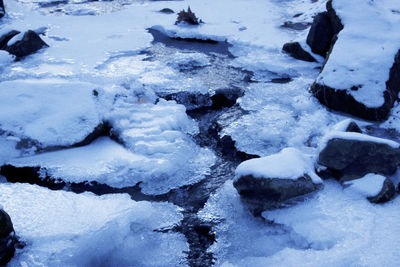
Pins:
<point x="51" y="112"/>
<point x="68" y="229"/>
<point x="364" y="42"/>
<point x="369" y="186"/>
<point x="290" y="163"/>
<point x="281" y="115"/>
<point x="342" y="228"/>
<point x="240" y="236"/>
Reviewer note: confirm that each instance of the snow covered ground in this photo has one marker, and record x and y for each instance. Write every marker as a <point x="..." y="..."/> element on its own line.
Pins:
<point x="103" y="68"/>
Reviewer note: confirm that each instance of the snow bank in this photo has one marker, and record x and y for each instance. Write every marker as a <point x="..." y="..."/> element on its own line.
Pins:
<point x="66" y="229"/>
<point x="290" y="163"/>
<point x="369" y="186"/>
<point x="51" y="112"/>
<point x="369" y="38"/>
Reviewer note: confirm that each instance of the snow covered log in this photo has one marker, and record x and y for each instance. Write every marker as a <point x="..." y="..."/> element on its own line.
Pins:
<point x="361" y="75"/>
<point x="7" y="238"/>
<point x="352" y="155"/>
<point x="268" y="183"/>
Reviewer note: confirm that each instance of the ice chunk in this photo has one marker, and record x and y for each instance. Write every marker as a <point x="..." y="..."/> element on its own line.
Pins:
<point x="67" y="229"/>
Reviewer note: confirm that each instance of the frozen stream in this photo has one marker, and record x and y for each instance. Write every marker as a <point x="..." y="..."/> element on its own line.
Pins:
<point x="169" y="119"/>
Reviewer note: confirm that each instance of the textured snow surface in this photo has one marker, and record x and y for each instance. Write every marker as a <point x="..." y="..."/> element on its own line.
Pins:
<point x="336" y="227"/>
<point x="51" y="112"/>
<point x="370" y="185"/>
<point x="290" y="163"/>
<point x="68" y="229"/>
<point x="364" y="42"/>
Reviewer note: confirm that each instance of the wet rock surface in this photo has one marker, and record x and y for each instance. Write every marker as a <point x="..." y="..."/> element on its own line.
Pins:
<point x="295" y="50"/>
<point x="8" y="239"/>
<point x="351" y="159"/>
<point x="260" y="194"/>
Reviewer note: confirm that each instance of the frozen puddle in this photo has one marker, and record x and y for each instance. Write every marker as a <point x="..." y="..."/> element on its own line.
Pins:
<point x="67" y="229"/>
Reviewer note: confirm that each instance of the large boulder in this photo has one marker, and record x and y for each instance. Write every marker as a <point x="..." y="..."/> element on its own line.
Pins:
<point x="347" y="83"/>
<point x="273" y="181"/>
<point x="296" y="51"/>
<point x="7" y="238"/>
<point x="352" y="155"/>
<point x="323" y="31"/>
<point x="376" y="188"/>
<point x="28" y="44"/>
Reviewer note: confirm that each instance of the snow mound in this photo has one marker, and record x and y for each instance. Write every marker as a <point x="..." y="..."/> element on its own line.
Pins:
<point x="364" y="42"/>
<point x="369" y="186"/>
<point x="51" y="112"/>
<point x="67" y="229"/>
<point x="290" y="163"/>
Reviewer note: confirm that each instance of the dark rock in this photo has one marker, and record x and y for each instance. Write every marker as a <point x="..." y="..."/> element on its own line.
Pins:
<point x="2" y="9"/>
<point x="226" y="97"/>
<point x="298" y="26"/>
<point x="353" y="127"/>
<point x="386" y="194"/>
<point x="325" y="27"/>
<point x="7" y="37"/>
<point x="351" y="159"/>
<point x="8" y="239"/>
<point x="295" y="50"/>
<point x="166" y="11"/>
<point x="341" y="100"/>
<point x="281" y="80"/>
<point x="261" y="194"/>
<point x="187" y="17"/>
<point x="29" y="44"/>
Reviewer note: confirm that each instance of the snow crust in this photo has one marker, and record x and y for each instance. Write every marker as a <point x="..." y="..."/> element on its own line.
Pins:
<point x="67" y="229"/>
<point x="52" y="112"/>
<point x="370" y="185"/>
<point x="334" y="228"/>
<point x="290" y="163"/>
<point x="364" y="42"/>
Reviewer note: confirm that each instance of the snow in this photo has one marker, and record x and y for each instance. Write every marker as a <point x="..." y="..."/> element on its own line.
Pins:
<point x="52" y="112"/>
<point x="68" y="229"/>
<point x="357" y="137"/>
<point x="290" y="163"/>
<point x="334" y="228"/>
<point x="370" y="185"/>
<point x="364" y="42"/>
<point x="15" y="39"/>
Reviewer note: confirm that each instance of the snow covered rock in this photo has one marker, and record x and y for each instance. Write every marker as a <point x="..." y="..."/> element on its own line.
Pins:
<point x="376" y="188"/>
<point x="7" y="37"/>
<point x="325" y="27"/>
<point x="295" y="50"/>
<point x="24" y="45"/>
<point x="48" y="112"/>
<point x="267" y="183"/>
<point x="352" y="155"/>
<point x="347" y="82"/>
<point x="7" y="238"/>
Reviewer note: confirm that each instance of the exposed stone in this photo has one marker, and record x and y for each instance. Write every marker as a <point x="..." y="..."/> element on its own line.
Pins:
<point x="7" y="37"/>
<point x="386" y="194"/>
<point x="29" y="44"/>
<point x="351" y="159"/>
<point x="260" y="194"/>
<point x="353" y="127"/>
<point x="325" y="27"/>
<point x="166" y="11"/>
<point x="2" y="9"/>
<point x="8" y="239"/>
<point x="295" y="50"/>
<point x="298" y="26"/>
